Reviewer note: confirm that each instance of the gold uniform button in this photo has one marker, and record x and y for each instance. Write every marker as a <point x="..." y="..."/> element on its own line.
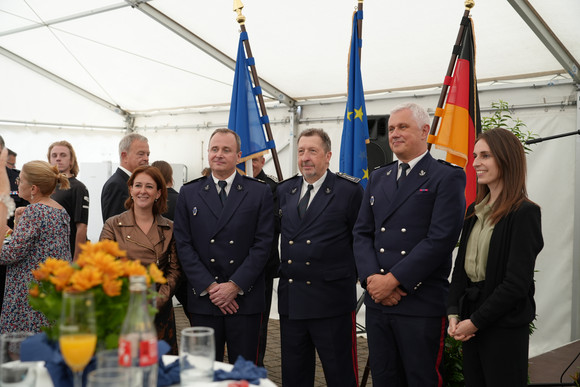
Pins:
<point x="308" y="242"/>
<point x="216" y="277"/>
<point x="231" y="262"/>
<point x="212" y="260"/>
<point x="383" y="229"/>
<point x="307" y="282"/>
<point x="231" y="242"/>
<point x="307" y="263"/>
<point x="403" y="230"/>
<point x="290" y="280"/>
<point x="289" y="262"/>
<point x="403" y="252"/>
<point x="382" y="270"/>
<point x="290" y="243"/>
<point x="212" y="241"/>
<point x="381" y="250"/>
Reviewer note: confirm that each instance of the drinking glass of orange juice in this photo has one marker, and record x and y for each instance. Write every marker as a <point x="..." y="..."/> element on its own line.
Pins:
<point x="78" y="332"/>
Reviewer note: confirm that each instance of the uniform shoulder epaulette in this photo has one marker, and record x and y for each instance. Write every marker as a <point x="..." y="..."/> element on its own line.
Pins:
<point x="384" y="165"/>
<point x="273" y="178"/>
<point x="253" y="178"/>
<point x="194" y="180"/>
<point x="348" y="177"/>
<point x="290" y="178"/>
<point x="448" y="163"/>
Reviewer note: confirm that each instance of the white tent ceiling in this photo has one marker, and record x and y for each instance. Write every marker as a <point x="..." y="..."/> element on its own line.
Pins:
<point x="118" y="53"/>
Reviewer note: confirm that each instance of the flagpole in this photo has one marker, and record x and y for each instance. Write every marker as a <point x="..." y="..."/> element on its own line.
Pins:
<point x="241" y="19"/>
<point x="445" y="88"/>
<point x="359" y="26"/>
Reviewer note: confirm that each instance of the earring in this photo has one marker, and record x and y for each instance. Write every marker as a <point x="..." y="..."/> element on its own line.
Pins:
<point x="31" y="197"/>
<point x="155" y="200"/>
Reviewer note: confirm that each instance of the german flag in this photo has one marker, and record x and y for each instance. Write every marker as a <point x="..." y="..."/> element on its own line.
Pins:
<point x="460" y="118"/>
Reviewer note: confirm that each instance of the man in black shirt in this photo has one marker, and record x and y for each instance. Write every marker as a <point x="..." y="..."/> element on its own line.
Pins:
<point x="74" y="200"/>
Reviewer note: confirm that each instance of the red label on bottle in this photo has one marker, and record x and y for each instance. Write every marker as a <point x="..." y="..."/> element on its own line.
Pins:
<point x="124" y="353"/>
<point x="147" y="352"/>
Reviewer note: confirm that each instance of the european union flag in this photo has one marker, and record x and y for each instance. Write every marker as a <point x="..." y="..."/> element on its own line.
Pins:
<point x="245" y="117"/>
<point x="355" y="132"/>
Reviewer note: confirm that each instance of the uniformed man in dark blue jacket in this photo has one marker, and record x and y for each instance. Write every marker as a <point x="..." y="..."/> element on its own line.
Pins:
<point x="317" y="288"/>
<point x="408" y="224"/>
<point x="223" y="230"/>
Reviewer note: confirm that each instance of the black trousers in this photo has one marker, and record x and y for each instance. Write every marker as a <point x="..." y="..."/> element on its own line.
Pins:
<point x="405" y="350"/>
<point x="334" y="338"/>
<point x="265" y="318"/>
<point x="240" y="332"/>
<point x="497" y="357"/>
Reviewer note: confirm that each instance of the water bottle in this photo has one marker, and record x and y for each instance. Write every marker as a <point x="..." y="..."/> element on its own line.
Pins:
<point x="138" y="340"/>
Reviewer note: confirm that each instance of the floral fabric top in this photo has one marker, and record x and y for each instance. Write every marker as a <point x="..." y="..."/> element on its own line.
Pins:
<point x="42" y="232"/>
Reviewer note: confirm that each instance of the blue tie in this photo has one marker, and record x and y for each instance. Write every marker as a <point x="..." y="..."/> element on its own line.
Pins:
<point x="404" y="167"/>
<point x="303" y="203"/>
<point x="223" y="196"/>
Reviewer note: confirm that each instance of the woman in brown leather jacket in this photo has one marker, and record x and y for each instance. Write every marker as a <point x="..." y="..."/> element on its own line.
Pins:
<point x="148" y="237"/>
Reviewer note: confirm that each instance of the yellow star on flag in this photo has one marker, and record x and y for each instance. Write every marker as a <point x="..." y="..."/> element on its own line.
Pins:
<point x="359" y="113"/>
<point x="365" y="174"/>
<point x="348" y="114"/>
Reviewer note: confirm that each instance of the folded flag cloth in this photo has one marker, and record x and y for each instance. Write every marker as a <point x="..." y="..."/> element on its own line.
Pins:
<point x="243" y="370"/>
<point x="39" y="348"/>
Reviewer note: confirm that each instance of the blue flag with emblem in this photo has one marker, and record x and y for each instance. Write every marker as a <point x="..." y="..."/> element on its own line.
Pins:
<point x="245" y="117"/>
<point x="355" y="131"/>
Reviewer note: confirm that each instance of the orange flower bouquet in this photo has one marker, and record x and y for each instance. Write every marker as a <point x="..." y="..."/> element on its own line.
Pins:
<point x="101" y="268"/>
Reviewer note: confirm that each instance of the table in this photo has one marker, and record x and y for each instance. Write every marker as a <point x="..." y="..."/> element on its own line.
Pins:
<point x="43" y="378"/>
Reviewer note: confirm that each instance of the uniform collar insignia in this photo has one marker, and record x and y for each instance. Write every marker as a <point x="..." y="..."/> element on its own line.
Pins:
<point x="422" y="173"/>
<point x="206" y="188"/>
<point x="327" y="190"/>
<point x="389" y="172"/>
<point x="239" y="187"/>
<point x="194" y="211"/>
<point x="294" y="190"/>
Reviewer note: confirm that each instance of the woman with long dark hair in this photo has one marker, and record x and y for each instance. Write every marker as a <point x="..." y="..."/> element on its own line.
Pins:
<point x="491" y="298"/>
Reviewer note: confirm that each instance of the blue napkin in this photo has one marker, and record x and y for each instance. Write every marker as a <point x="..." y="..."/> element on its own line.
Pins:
<point x="243" y="370"/>
<point x="167" y="375"/>
<point x="39" y="348"/>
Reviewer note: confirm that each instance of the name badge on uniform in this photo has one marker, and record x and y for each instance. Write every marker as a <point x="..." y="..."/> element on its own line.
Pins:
<point x="194" y="211"/>
<point x="372" y="201"/>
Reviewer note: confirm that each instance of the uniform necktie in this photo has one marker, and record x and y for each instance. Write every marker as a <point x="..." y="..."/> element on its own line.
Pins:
<point x="404" y="167"/>
<point x="303" y="203"/>
<point x="223" y="196"/>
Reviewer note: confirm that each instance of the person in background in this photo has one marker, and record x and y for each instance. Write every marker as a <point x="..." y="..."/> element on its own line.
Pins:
<point x="148" y="237"/>
<point x="74" y="200"/>
<point x="41" y="230"/>
<point x="491" y="297"/>
<point x="7" y="205"/>
<point x="167" y="172"/>
<point x="13" y="174"/>
<point x="317" y="289"/>
<point x="407" y="228"/>
<point x="273" y="264"/>
<point x="224" y="229"/>
<point x="133" y="153"/>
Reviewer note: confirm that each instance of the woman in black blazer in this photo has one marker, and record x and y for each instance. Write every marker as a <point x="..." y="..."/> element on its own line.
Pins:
<point x="491" y="298"/>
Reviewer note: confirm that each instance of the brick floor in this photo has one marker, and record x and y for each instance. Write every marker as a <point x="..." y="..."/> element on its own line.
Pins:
<point x="273" y="355"/>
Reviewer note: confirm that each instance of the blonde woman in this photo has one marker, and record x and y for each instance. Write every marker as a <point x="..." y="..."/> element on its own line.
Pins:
<point x="41" y="230"/>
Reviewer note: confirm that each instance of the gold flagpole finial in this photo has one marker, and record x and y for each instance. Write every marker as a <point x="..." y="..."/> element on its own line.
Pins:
<point x="238" y="5"/>
<point x="469" y="4"/>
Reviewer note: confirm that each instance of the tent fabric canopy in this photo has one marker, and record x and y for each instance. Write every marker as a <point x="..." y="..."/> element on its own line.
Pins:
<point x="116" y="52"/>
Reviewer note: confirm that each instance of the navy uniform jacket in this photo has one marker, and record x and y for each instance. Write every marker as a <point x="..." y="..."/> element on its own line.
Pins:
<point x="114" y="194"/>
<point x="411" y="232"/>
<point x="216" y="245"/>
<point x="317" y="270"/>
